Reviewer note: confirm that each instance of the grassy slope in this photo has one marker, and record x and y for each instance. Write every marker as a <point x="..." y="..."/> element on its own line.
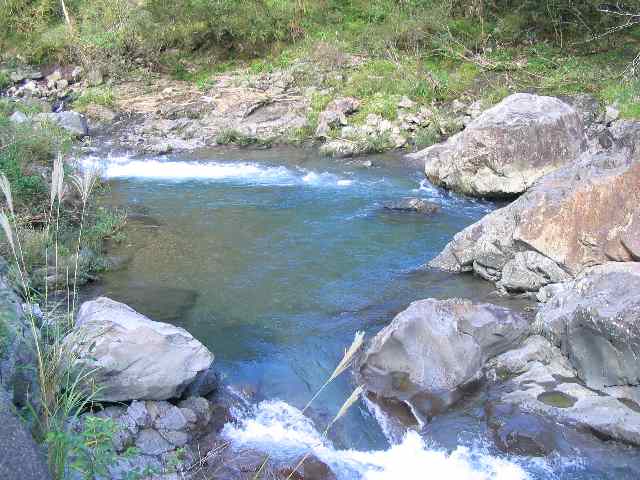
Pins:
<point x="432" y="51"/>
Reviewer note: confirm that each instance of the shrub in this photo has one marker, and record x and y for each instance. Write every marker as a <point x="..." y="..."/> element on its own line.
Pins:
<point x="427" y="136"/>
<point x="103" y="223"/>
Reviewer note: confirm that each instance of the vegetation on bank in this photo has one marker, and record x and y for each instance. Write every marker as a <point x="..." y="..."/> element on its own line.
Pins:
<point x="27" y="151"/>
<point x="428" y="50"/>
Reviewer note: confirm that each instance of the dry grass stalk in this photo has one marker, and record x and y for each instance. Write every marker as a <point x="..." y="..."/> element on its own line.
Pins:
<point x="348" y="403"/>
<point x="57" y="181"/>
<point x="6" y="190"/>
<point x="8" y="232"/>
<point x="63" y="391"/>
<point x="348" y="356"/>
<point x="85" y="183"/>
<point x="355" y="395"/>
<point x="347" y="359"/>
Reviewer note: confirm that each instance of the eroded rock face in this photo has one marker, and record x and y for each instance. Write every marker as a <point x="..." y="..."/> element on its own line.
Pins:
<point x="581" y="215"/>
<point x="436" y="349"/>
<point x="133" y="357"/>
<point x="550" y="388"/>
<point x="335" y="114"/>
<point x="507" y="148"/>
<point x="595" y="320"/>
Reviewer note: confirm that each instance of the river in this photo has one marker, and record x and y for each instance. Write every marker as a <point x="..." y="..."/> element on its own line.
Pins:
<point x="274" y="259"/>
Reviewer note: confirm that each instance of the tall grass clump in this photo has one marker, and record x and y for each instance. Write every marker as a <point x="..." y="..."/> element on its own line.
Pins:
<point x="63" y="393"/>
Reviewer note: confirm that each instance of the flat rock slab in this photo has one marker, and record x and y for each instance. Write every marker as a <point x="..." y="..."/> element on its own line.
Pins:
<point x="595" y="320"/>
<point x="549" y="390"/>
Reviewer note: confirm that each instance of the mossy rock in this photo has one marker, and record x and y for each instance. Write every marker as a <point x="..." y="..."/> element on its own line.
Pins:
<point x="17" y="357"/>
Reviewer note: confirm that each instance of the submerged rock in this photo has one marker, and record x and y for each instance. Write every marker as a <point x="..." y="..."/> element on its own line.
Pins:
<point x="132" y="357"/>
<point x="525" y="433"/>
<point x="436" y="349"/>
<point x="595" y="319"/>
<point x="507" y="148"/>
<point x="580" y="215"/>
<point x="418" y="205"/>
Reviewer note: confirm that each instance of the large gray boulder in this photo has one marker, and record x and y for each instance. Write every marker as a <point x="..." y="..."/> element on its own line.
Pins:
<point x="506" y="149"/>
<point x="581" y="215"/>
<point x="130" y="357"/>
<point x="595" y="320"/>
<point x="73" y="122"/>
<point x="435" y="350"/>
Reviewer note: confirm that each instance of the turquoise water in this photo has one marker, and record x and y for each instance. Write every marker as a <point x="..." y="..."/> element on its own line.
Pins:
<point x="274" y="259"/>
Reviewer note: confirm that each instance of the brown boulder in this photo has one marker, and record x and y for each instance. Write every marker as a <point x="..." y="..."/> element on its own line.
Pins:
<point x="581" y="215"/>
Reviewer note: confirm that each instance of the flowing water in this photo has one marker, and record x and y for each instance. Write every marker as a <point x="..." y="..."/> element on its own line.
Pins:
<point x="274" y="259"/>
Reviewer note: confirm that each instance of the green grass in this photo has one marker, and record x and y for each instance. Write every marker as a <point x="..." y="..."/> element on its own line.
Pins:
<point x="102" y="95"/>
<point x="626" y="97"/>
<point x="24" y="146"/>
<point x="427" y="136"/>
<point x="4" y="336"/>
<point x="5" y="81"/>
<point x="234" y="137"/>
<point x="104" y="223"/>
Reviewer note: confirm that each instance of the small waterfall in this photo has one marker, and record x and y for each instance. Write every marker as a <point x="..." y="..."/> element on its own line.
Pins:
<point x="282" y="431"/>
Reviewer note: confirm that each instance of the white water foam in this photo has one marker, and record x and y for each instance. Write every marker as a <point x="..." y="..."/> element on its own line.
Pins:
<point x="429" y="188"/>
<point x="283" y="432"/>
<point x="113" y="167"/>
